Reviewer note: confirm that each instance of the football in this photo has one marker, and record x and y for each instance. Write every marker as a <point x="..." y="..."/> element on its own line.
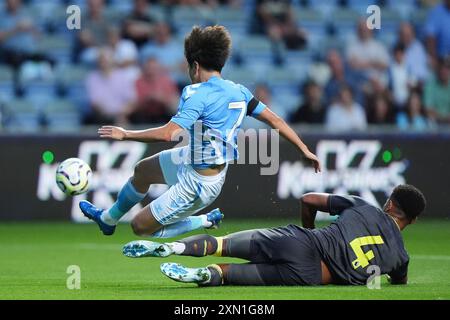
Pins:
<point x="73" y="176"/>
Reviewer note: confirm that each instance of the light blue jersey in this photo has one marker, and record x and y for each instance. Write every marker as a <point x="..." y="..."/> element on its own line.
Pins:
<point x="213" y="111"/>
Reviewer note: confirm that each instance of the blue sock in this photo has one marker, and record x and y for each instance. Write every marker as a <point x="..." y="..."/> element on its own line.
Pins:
<point x="180" y="227"/>
<point x="128" y="197"/>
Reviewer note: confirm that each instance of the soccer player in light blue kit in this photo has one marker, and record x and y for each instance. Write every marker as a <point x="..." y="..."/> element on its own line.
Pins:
<point x="212" y="110"/>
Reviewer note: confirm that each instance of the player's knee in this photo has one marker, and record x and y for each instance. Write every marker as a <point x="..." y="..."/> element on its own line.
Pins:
<point x="139" y="169"/>
<point x="138" y="228"/>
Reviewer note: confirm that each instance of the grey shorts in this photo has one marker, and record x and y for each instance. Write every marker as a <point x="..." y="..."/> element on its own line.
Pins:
<point x="292" y="257"/>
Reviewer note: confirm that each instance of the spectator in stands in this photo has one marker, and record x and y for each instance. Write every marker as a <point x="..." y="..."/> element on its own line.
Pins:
<point x="94" y="32"/>
<point x="18" y="36"/>
<point x="157" y="95"/>
<point x="276" y="19"/>
<point x="339" y="77"/>
<point x="437" y="31"/>
<point x="138" y="26"/>
<point x="313" y="108"/>
<point x="437" y="93"/>
<point x="415" y="55"/>
<point x="346" y="114"/>
<point x="400" y="80"/>
<point x="165" y="49"/>
<point x="380" y="110"/>
<point x="125" y="54"/>
<point x="368" y="58"/>
<point x="414" y="115"/>
<point x="110" y="94"/>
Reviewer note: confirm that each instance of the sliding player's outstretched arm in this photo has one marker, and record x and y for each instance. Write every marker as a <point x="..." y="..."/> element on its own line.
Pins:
<point x="273" y="120"/>
<point x="159" y="134"/>
<point x="333" y="204"/>
<point x="310" y="203"/>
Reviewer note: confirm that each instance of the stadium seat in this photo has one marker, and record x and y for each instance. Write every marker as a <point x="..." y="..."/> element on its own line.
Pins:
<point x="7" y="89"/>
<point x="81" y="3"/>
<point x="157" y="12"/>
<point x="68" y="74"/>
<point x="62" y="114"/>
<point x="332" y="42"/>
<point x="39" y="89"/>
<point x="324" y="6"/>
<point x="390" y="20"/>
<point x="309" y="19"/>
<point x="235" y="20"/>
<point x="184" y="17"/>
<point x="23" y="115"/>
<point x="39" y="98"/>
<point x="344" y="20"/>
<point x="77" y="94"/>
<point x="120" y="5"/>
<point x="418" y="18"/>
<point x="244" y="75"/>
<point x="360" y="6"/>
<point x="297" y="59"/>
<point x="56" y="23"/>
<point x="286" y="103"/>
<point x="404" y="7"/>
<point x="114" y="14"/>
<point x="255" y="49"/>
<point x="57" y="47"/>
<point x="71" y="80"/>
<point x="6" y="73"/>
<point x="388" y="38"/>
<point x="285" y="77"/>
<point x="312" y="21"/>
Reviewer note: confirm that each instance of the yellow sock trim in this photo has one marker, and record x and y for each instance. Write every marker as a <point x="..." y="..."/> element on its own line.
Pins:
<point x="218" y="252"/>
<point x="216" y="267"/>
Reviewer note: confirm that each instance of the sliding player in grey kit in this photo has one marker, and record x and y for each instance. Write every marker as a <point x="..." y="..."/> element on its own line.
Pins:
<point x="363" y="235"/>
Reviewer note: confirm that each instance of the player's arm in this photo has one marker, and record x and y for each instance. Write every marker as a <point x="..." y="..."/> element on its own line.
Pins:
<point x="310" y="203"/>
<point x="399" y="275"/>
<point x="333" y="204"/>
<point x="273" y="120"/>
<point x="159" y="134"/>
<point x="190" y="109"/>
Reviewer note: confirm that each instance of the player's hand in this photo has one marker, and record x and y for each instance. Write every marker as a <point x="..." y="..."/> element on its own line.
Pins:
<point x="112" y="132"/>
<point x="314" y="160"/>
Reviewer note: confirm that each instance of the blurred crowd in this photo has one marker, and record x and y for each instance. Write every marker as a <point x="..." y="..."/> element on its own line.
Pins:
<point x="320" y="62"/>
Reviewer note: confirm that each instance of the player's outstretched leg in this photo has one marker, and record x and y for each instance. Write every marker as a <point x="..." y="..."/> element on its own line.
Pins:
<point x="143" y="248"/>
<point x="236" y="245"/>
<point x="201" y="276"/>
<point x="93" y="213"/>
<point x="210" y="220"/>
<point x="195" y="246"/>
<point x="247" y="274"/>
<point x="145" y="224"/>
<point x="146" y="172"/>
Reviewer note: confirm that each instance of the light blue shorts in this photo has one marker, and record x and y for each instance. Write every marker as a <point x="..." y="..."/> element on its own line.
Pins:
<point x="189" y="191"/>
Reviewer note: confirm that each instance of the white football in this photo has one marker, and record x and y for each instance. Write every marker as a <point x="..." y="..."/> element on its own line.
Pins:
<point x="73" y="176"/>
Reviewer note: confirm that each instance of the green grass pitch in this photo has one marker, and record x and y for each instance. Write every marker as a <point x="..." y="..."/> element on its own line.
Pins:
<point x="34" y="260"/>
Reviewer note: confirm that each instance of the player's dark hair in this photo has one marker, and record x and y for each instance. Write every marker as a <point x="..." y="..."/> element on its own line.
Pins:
<point x="409" y="199"/>
<point x="209" y="46"/>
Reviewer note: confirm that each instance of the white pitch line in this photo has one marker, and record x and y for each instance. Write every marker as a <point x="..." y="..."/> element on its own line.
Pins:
<point x="431" y="257"/>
